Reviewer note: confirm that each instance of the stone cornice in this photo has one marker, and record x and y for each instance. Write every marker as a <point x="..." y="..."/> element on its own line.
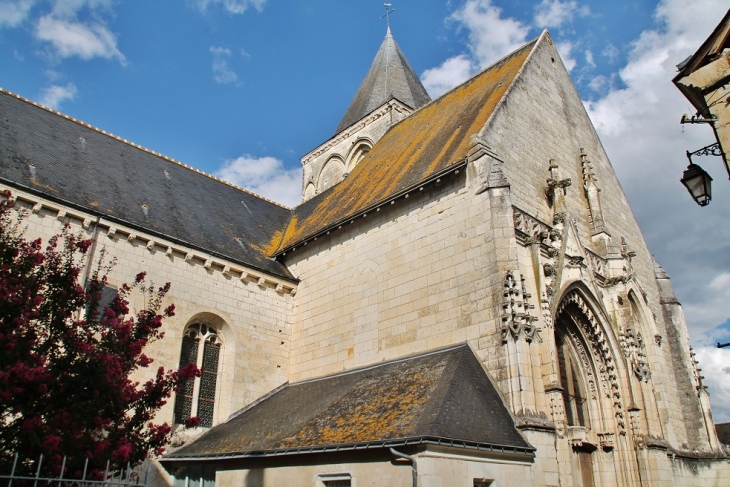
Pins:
<point x="116" y="230"/>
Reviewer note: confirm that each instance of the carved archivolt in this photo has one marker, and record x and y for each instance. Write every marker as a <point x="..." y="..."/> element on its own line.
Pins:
<point x="597" y="340"/>
<point x="586" y="362"/>
<point x="516" y="318"/>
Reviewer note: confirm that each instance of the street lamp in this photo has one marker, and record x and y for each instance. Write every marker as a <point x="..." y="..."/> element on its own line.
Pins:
<point x="697" y="182"/>
<point x="696" y="179"/>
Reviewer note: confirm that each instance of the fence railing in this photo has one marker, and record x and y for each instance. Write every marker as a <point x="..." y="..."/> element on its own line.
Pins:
<point x="131" y="476"/>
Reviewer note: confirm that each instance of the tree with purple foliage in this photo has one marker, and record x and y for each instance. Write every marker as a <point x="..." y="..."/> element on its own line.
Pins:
<point x="66" y="361"/>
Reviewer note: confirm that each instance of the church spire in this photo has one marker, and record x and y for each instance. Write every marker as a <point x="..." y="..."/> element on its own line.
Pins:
<point x="390" y="76"/>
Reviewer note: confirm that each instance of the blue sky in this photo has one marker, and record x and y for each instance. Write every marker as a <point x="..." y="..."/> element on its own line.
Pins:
<point x="244" y="88"/>
<point x="208" y="81"/>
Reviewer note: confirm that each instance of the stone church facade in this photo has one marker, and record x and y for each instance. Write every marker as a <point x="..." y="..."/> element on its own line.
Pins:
<point x="463" y="298"/>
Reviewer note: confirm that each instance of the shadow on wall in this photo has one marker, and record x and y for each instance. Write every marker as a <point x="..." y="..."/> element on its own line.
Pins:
<point x="255" y="478"/>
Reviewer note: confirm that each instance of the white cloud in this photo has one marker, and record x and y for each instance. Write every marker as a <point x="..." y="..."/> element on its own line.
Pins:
<point x="599" y="84"/>
<point x="611" y="53"/>
<point x="265" y="176"/>
<point x="564" y="49"/>
<point x="490" y="35"/>
<point x="452" y="72"/>
<point x="554" y="13"/>
<point x="13" y="13"/>
<point x="222" y="72"/>
<point x="232" y="6"/>
<point x="715" y="365"/>
<point x="54" y="95"/>
<point x="73" y="38"/>
<point x="589" y="58"/>
<point x="711" y="310"/>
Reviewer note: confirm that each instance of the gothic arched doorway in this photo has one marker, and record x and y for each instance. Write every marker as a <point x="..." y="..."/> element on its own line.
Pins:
<point x="585" y="366"/>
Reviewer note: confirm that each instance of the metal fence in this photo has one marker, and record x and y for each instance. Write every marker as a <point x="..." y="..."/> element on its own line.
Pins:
<point x="131" y="476"/>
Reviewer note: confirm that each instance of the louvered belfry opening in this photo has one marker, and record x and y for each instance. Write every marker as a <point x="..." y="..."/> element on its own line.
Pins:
<point x="207" y="358"/>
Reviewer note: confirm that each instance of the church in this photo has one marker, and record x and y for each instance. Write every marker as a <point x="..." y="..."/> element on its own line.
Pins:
<point x="462" y="298"/>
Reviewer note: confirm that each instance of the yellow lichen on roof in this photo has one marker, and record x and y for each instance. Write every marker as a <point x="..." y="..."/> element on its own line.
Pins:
<point x="373" y="410"/>
<point x="429" y="141"/>
<point x="271" y="246"/>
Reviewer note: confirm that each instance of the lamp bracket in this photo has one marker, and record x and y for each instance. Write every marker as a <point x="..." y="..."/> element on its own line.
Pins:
<point x="698" y="118"/>
<point x="709" y="150"/>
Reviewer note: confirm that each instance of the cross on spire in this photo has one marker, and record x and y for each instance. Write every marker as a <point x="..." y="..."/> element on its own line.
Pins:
<point x="388" y="11"/>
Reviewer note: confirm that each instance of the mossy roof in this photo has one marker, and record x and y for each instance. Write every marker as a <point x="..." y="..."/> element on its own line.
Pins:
<point x="443" y="395"/>
<point x="425" y="144"/>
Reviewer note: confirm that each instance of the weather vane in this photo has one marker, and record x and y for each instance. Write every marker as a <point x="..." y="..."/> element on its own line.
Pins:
<point x="388" y="11"/>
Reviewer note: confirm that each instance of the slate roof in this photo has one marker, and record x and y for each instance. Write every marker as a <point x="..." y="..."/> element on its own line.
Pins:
<point x="427" y="143"/>
<point x="390" y="76"/>
<point x="442" y="397"/>
<point x="723" y="433"/>
<point x="73" y="163"/>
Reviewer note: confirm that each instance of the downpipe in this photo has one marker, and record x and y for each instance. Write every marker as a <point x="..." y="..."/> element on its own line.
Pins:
<point x="411" y="459"/>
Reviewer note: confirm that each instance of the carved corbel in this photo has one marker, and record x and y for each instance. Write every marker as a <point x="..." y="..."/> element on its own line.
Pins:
<point x="606" y="441"/>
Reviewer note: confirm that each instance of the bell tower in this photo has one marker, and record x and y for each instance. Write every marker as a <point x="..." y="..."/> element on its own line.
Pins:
<point x="389" y="93"/>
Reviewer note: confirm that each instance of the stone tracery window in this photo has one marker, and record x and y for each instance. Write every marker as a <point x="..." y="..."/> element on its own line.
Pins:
<point x="207" y="357"/>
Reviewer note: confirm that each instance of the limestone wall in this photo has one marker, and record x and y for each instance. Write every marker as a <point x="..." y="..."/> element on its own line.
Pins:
<point x="251" y="318"/>
<point x="400" y="281"/>
<point x="435" y="469"/>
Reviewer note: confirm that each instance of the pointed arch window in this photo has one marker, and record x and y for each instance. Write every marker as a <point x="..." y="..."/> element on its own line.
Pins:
<point x="196" y="397"/>
<point x="571" y="380"/>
